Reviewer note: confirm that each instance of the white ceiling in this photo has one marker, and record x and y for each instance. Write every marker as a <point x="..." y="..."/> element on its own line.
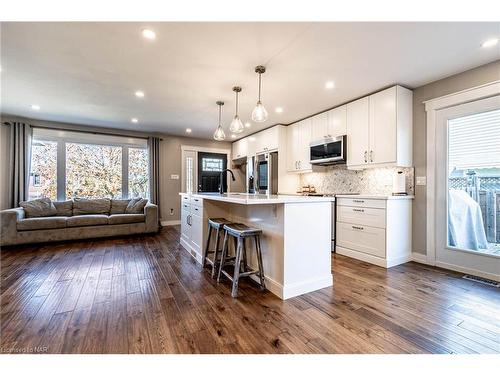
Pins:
<point x="87" y="73"/>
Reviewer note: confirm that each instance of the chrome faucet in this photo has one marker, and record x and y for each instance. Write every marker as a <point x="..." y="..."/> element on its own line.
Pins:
<point x="221" y="182"/>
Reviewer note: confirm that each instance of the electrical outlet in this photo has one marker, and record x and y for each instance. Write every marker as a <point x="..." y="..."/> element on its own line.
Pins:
<point x="174" y="176"/>
<point x="171" y="212"/>
<point x="421" y="180"/>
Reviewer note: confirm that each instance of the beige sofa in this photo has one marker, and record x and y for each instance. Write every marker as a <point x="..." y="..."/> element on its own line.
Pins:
<point x="76" y="219"/>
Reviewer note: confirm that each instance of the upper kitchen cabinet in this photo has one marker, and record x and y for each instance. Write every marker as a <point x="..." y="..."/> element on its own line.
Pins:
<point x="240" y="149"/>
<point x="299" y="136"/>
<point x="329" y="124"/>
<point x="379" y="129"/>
<point x="267" y="140"/>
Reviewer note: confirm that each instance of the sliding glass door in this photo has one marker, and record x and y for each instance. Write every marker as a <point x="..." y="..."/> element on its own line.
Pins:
<point x="468" y="187"/>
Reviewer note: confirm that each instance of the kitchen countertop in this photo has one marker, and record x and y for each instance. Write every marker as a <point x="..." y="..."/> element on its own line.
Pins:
<point x="248" y="199"/>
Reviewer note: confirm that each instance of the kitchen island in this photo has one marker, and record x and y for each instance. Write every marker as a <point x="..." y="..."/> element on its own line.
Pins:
<point x="296" y="235"/>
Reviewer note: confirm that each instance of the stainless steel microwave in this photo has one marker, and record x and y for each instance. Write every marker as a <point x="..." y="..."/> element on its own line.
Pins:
<point x="329" y="151"/>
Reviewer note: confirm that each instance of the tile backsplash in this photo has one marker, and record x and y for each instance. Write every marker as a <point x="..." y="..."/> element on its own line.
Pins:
<point x="338" y="179"/>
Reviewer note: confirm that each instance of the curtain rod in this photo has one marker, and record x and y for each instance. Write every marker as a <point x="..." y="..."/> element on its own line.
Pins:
<point x="89" y="132"/>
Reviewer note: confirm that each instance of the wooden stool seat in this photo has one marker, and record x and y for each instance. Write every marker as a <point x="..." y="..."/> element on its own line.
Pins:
<point x="241" y="230"/>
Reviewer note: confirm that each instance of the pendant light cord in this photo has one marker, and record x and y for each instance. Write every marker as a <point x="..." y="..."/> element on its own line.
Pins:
<point x="260" y="74"/>
<point x="220" y="112"/>
<point x="236" y="103"/>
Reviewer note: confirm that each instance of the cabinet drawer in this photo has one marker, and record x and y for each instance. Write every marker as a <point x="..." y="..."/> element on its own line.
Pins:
<point x="197" y="201"/>
<point x="196" y="210"/>
<point x="365" y="239"/>
<point x="185" y="199"/>
<point x="373" y="217"/>
<point x="186" y="206"/>
<point x="361" y="202"/>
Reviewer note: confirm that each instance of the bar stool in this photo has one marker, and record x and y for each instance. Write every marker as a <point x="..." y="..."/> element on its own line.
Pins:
<point x="214" y="224"/>
<point x="240" y="232"/>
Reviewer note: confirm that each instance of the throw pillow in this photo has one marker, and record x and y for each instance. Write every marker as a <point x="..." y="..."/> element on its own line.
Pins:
<point x="83" y="206"/>
<point x="118" y="206"/>
<point x="39" y="208"/>
<point x="64" y="208"/>
<point x="136" y="206"/>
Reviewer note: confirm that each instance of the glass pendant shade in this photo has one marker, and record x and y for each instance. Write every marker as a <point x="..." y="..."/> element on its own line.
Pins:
<point x="219" y="134"/>
<point x="236" y="125"/>
<point x="259" y="113"/>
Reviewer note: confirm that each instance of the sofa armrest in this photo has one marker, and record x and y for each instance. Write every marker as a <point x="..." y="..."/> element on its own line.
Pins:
<point x="151" y="213"/>
<point x="8" y="224"/>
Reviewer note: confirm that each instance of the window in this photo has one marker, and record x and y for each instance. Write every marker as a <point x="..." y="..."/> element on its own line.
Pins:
<point x="138" y="172"/>
<point x="89" y="166"/>
<point x="93" y="171"/>
<point x="212" y="165"/>
<point x="43" y="176"/>
<point x="474" y="182"/>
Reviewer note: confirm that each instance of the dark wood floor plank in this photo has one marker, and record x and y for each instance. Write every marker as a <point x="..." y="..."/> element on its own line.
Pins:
<point x="146" y="294"/>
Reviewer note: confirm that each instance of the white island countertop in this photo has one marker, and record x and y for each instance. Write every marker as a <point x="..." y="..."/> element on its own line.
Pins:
<point x="250" y="199"/>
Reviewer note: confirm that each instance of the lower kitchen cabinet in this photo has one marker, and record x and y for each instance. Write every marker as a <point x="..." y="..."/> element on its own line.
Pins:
<point x="192" y="225"/>
<point x="375" y="230"/>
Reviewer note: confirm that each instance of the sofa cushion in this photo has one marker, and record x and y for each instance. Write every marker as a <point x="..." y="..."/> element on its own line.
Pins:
<point x="126" y="218"/>
<point x="118" y="206"/>
<point x="42" y="207"/>
<point x="136" y="206"/>
<point x="86" y="220"/>
<point x="83" y="206"/>
<point x="64" y="208"/>
<point x="36" y="223"/>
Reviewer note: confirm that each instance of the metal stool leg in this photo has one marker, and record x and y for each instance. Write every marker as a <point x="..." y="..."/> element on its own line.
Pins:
<point x="216" y="252"/>
<point x="237" y="266"/>
<point x="259" y="260"/>
<point x="207" y="246"/>
<point x="223" y="256"/>
<point x="245" y="263"/>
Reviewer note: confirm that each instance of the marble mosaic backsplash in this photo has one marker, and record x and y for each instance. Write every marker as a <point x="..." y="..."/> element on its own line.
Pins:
<point x="374" y="181"/>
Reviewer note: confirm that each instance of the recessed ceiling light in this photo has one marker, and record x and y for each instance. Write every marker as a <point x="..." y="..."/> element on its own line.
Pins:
<point x="139" y="94"/>
<point x="278" y="109"/>
<point x="134" y="120"/>
<point x="489" y="43"/>
<point x="247" y="124"/>
<point x="35" y="107"/>
<point x="188" y="130"/>
<point x="329" y="85"/>
<point x="148" y="34"/>
<point x="233" y="136"/>
<point x="251" y="139"/>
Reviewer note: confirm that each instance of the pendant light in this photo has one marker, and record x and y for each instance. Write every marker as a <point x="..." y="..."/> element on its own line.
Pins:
<point x="259" y="113"/>
<point x="219" y="132"/>
<point x="236" y="125"/>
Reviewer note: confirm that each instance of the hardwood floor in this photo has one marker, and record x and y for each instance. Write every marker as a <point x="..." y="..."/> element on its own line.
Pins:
<point x="145" y="294"/>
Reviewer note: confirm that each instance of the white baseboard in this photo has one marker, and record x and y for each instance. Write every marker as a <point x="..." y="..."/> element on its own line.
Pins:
<point x="470" y="271"/>
<point x="191" y="251"/>
<point x="420" y="258"/>
<point x="296" y="289"/>
<point x="166" y="223"/>
<point x="272" y="285"/>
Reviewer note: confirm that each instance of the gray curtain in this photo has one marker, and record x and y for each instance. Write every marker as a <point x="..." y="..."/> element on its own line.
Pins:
<point x="154" y="171"/>
<point x="20" y="159"/>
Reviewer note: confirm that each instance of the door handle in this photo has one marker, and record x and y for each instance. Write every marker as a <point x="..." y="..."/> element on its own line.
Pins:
<point x="371" y="156"/>
<point x="366" y="156"/>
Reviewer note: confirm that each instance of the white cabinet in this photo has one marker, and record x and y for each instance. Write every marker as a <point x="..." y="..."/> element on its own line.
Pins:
<point x="329" y="124"/>
<point x="240" y="149"/>
<point x="192" y="227"/>
<point x="379" y="129"/>
<point x="376" y="231"/>
<point x="267" y="140"/>
<point x="337" y="121"/>
<point x="357" y="132"/>
<point x="298" y="140"/>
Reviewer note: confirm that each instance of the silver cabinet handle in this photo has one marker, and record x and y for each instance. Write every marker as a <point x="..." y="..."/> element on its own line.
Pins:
<point x="366" y="156"/>
<point x="300" y="164"/>
<point x="359" y="228"/>
<point x="371" y="156"/>
<point x="358" y="210"/>
<point x="358" y="201"/>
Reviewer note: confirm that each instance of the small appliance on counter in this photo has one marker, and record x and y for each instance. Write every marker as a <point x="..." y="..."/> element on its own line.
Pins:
<point x="399" y="183"/>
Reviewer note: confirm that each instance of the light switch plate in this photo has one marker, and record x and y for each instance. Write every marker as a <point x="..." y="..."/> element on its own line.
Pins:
<point x="421" y="180"/>
<point x="174" y="176"/>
